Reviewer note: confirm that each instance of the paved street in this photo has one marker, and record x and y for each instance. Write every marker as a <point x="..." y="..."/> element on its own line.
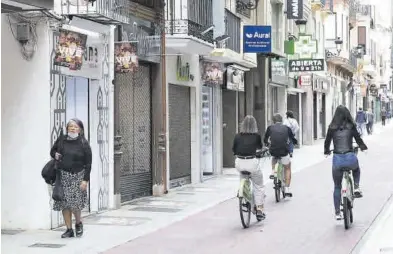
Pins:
<point x="204" y="218"/>
<point x="304" y="224"/>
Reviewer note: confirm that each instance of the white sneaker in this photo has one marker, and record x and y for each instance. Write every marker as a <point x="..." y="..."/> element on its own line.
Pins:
<point x="339" y="216"/>
<point x="288" y="192"/>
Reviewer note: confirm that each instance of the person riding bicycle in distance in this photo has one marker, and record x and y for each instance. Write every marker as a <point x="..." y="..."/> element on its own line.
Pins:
<point x="280" y="137"/>
<point x="342" y="130"/>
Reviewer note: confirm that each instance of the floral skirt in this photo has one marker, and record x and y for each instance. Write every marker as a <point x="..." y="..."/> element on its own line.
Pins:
<point x="74" y="198"/>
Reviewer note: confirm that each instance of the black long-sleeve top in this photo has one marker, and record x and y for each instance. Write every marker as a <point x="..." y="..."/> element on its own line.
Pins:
<point x="279" y="135"/>
<point x="246" y="144"/>
<point x="76" y="155"/>
<point x="343" y="140"/>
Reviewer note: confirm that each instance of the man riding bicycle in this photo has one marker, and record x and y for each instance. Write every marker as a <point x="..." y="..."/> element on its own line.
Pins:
<point x="280" y="137"/>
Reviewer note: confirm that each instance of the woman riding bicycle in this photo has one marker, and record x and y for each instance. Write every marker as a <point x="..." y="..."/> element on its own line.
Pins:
<point x="245" y="146"/>
<point x="342" y="130"/>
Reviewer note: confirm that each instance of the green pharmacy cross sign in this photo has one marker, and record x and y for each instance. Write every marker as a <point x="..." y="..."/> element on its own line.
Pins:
<point x="305" y="47"/>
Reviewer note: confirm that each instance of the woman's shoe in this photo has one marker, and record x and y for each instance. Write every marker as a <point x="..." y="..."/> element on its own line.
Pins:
<point x="68" y="234"/>
<point x="79" y="229"/>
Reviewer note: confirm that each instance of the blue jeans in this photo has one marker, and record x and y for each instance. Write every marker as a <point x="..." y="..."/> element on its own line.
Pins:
<point x="348" y="160"/>
<point x="290" y="147"/>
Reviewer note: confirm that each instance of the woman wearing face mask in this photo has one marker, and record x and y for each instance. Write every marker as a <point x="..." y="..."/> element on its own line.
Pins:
<point x="74" y="156"/>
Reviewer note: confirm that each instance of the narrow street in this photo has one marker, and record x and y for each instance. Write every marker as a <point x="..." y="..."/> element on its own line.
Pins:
<point x="304" y="224"/>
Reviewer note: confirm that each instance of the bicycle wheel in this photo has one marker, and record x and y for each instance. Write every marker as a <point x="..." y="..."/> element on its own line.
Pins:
<point x="245" y="212"/>
<point x="346" y="213"/>
<point x="277" y="189"/>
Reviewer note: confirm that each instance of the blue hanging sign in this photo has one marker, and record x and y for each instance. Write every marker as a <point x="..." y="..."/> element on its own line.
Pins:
<point x="257" y="39"/>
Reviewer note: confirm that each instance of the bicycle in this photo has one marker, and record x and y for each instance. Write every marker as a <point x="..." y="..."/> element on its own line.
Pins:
<point x="347" y="194"/>
<point x="279" y="180"/>
<point x="246" y="197"/>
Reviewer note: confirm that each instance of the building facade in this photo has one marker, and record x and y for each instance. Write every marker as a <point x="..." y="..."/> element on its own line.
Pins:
<point x="54" y="90"/>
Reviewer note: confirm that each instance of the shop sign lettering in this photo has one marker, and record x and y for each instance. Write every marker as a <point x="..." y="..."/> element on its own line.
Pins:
<point x="306" y="65"/>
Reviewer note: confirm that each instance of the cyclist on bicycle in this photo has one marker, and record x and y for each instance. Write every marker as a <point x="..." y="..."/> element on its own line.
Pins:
<point x="280" y="137"/>
<point x="245" y="146"/>
<point x="342" y="130"/>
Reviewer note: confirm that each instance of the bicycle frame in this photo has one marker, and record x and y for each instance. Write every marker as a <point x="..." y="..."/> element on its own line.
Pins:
<point x="245" y="189"/>
<point x="279" y="169"/>
<point x="347" y="186"/>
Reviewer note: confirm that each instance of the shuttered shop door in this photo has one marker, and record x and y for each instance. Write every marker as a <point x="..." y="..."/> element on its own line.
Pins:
<point x="179" y="135"/>
<point x="135" y="129"/>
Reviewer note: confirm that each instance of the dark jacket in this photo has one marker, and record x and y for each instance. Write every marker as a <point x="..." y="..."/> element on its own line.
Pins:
<point x="279" y="135"/>
<point x="343" y="139"/>
<point x="246" y="144"/>
<point x="76" y="155"/>
<point x="361" y="117"/>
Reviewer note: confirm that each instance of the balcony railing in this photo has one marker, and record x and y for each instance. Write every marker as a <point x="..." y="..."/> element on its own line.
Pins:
<point x="101" y="11"/>
<point x="185" y="26"/>
<point x="190" y="17"/>
<point x="232" y="27"/>
<point x="353" y="60"/>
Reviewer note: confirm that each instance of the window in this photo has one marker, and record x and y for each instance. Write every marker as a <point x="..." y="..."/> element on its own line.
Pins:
<point x="362" y="39"/>
<point x="347" y="32"/>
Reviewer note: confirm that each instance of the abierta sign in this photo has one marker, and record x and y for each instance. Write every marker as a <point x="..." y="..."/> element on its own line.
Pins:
<point x="306" y="65"/>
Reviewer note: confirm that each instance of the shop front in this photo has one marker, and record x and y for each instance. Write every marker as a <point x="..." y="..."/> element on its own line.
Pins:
<point x="137" y="65"/>
<point x="233" y="109"/>
<point x="320" y="87"/>
<point x="212" y="79"/>
<point x="81" y="89"/>
<point x="182" y="80"/>
<point x="278" y="82"/>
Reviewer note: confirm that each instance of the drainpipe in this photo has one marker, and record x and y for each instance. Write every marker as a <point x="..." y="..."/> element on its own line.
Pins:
<point x="117" y="138"/>
<point x="162" y="138"/>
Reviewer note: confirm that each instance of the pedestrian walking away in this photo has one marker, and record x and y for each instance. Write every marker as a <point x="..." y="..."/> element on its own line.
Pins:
<point x="361" y="121"/>
<point x="383" y="116"/>
<point x="370" y="122"/>
<point x="291" y="122"/>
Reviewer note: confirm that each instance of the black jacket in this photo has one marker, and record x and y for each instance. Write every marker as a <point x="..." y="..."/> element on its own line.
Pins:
<point x="279" y="135"/>
<point x="343" y="139"/>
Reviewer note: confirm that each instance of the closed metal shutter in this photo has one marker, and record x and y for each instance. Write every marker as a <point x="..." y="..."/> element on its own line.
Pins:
<point x="179" y="135"/>
<point x="135" y="129"/>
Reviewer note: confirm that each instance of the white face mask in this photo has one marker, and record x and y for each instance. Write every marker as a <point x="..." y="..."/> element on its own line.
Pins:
<point x="73" y="134"/>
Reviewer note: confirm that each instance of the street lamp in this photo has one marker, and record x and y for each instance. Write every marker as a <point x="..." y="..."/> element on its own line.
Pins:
<point x="339" y="44"/>
<point x="302" y="25"/>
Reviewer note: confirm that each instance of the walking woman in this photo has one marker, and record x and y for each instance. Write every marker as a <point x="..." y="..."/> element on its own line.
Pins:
<point x="291" y="122"/>
<point x="342" y="130"/>
<point x="245" y="146"/>
<point x="74" y="155"/>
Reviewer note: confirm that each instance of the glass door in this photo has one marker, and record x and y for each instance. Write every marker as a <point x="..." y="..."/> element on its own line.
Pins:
<point x="207" y="130"/>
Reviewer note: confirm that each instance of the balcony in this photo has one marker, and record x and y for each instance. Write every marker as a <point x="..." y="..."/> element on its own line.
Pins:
<point x="317" y="5"/>
<point x="353" y="7"/>
<point x="189" y="26"/>
<point x="342" y="59"/>
<point x="232" y="29"/>
<point x="100" y="11"/>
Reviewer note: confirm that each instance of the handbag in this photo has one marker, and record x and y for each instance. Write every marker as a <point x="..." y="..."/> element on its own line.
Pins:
<point x="58" y="190"/>
<point x="49" y="172"/>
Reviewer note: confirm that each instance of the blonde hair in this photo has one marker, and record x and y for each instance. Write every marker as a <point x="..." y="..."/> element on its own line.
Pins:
<point x="249" y="125"/>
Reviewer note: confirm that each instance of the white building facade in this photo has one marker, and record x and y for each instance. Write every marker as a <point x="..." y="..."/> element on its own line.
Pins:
<point x="36" y="105"/>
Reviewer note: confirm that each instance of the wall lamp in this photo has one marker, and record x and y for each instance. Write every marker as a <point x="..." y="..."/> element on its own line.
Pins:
<point x="339" y="44"/>
<point x="302" y="25"/>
